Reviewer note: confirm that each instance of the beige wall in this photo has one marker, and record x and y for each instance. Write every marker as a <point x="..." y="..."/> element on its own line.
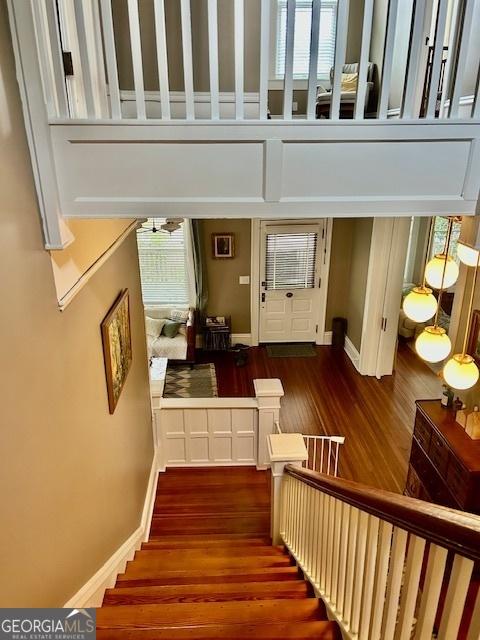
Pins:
<point x="92" y="239"/>
<point x="72" y="477"/>
<point x="226" y="297"/>
<point x="350" y="255"/>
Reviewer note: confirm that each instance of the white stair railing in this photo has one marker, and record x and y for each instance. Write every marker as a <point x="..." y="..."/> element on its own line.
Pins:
<point x="387" y="567"/>
<point x="97" y="43"/>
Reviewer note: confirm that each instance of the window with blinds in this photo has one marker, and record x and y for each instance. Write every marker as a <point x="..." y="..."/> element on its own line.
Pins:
<point x="163" y="269"/>
<point x="301" y="47"/>
<point x="290" y="260"/>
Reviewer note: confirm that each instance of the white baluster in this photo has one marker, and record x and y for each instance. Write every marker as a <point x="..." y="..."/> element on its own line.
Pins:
<point x="369" y="577"/>
<point x="330" y="537"/>
<point x="364" y="56"/>
<point x="321" y="455"/>
<point x="437" y="557"/>
<point x="136" y="47"/>
<point x="474" y="630"/>
<point x="449" y="65"/>
<point x="264" y="57"/>
<point x="329" y="456"/>
<point x="340" y="51"/>
<point x="442" y="11"/>
<point x="416" y="549"/>
<point x="239" y="60"/>
<point x="313" y="62"/>
<point x="324" y="534"/>
<point x="187" y="58"/>
<point x="455" y="599"/>
<point x="213" y="58"/>
<point x="388" y="58"/>
<point x="412" y="97"/>
<point x="110" y="59"/>
<point x="318" y="541"/>
<point x="381" y="573"/>
<point x="162" y="58"/>
<point x="476" y="104"/>
<point x="336" y="550"/>
<point x="394" y="583"/>
<point x="342" y="569"/>
<point x="359" y="571"/>
<point x="351" y="554"/>
<point x="289" y="45"/>
<point x="461" y="62"/>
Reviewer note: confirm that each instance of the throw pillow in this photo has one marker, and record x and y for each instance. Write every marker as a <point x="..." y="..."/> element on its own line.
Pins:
<point x="349" y="82"/>
<point x="179" y="315"/>
<point x="154" y="326"/>
<point x="170" y="328"/>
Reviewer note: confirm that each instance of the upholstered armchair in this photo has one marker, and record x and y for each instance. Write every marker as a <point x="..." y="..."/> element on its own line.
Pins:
<point x="347" y="98"/>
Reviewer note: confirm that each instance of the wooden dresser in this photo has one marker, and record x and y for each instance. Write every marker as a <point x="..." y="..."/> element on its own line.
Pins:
<point x="444" y="461"/>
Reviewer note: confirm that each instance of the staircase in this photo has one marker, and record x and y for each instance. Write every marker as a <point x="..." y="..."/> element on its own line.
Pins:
<point x="209" y="569"/>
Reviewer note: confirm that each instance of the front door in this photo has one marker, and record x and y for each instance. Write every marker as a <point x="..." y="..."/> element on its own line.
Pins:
<point x="289" y="280"/>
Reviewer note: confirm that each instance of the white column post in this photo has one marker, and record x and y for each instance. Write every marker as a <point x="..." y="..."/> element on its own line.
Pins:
<point x="268" y="392"/>
<point x="283" y="448"/>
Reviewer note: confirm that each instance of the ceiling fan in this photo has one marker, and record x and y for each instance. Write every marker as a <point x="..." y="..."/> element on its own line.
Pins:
<point x="155" y="225"/>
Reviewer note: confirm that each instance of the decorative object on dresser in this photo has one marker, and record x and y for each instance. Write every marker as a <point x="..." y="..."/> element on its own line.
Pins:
<point x="117" y="347"/>
<point x="216" y="333"/>
<point x="444" y="462"/>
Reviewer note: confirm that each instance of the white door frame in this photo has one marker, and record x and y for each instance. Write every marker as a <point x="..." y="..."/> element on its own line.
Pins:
<point x="255" y="276"/>
<point x="388" y="252"/>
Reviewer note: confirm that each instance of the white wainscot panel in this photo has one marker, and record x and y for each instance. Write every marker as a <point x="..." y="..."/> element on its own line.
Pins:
<point x="374" y="169"/>
<point x="115" y="171"/>
<point x="196" y="421"/>
<point x="220" y="421"/>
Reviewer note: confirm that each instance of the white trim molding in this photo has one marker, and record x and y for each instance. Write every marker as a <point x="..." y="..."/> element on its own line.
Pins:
<point x="92" y="592"/>
<point x="65" y="300"/>
<point x="327" y="337"/>
<point x="352" y="353"/>
<point x="242" y="338"/>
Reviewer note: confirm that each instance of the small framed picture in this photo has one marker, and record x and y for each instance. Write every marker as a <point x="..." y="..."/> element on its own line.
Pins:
<point x="223" y="245"/>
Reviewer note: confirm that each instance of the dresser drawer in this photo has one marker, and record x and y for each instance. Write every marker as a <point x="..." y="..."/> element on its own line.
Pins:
<point x="413" y="486"/>
<point x="439" y="454"/>
<point x="458" y="480"/>
<point x="422" y="431"/>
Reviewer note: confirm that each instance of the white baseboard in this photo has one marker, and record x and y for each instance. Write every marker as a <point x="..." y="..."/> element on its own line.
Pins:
<point x="92" y="592"/>
<point x="327" y="338"/>
<point x="242" y="338"/>
<point x="352" y="353"/>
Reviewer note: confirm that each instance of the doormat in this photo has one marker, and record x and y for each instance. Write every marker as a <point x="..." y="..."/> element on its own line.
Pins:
<point x="296" y="350"/>
<point x="183" y="381"/>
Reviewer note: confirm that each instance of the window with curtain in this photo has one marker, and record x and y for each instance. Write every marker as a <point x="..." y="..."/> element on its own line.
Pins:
<point x="301" y="47"/>
<point x="290" y="260"/>
<point x="163" y="266"/>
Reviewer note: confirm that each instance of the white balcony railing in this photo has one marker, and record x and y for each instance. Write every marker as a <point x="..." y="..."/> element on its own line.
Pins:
<point x="124" y="65"/>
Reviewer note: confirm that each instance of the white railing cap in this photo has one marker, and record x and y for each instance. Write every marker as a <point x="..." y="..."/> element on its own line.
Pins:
<point x="268" y="387"/>
<point x="287" y="447"/>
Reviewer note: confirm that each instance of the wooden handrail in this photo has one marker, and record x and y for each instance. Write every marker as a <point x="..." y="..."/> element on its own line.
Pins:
<point x="455" y="530"/>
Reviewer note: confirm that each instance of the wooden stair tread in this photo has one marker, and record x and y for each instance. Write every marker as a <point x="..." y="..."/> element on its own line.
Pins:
<point x="253" y="544"/>
<point x="318" y="630"/>
<point x="231" y="551"/>
<point x="154" y="560"/>
<point x="207" y="592"/>
<point x="213" y="575"/>
<point x="213" y="538"/>
<point x="158" y="616"/>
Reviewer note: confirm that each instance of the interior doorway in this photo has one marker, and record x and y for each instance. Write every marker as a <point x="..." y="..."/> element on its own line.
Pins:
<point x="290" y="278"/>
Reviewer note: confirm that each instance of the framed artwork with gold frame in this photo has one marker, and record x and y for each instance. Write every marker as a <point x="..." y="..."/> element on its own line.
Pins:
<point x="117" y="347"/>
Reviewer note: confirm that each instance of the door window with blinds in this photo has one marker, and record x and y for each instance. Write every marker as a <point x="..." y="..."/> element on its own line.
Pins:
<point x="290" y="260"/>
<point x="163" y="269"/>
<point x="301" y="46"/>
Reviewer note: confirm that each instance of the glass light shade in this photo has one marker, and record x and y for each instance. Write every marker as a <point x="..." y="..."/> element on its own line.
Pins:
<point x="420" y="304"/>
<point x="460" y="372"/>
<point x="434" y="272"/>
<point x="467" y="255"/>
<point x="433" y="344"/>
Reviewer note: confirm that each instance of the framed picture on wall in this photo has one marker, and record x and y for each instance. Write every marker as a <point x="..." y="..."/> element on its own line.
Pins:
<point x="473" y="348"/>
<point x="117" y="347"/>
<point x="223" y="245"/>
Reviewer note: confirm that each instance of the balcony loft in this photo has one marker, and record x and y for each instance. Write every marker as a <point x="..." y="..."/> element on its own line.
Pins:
<point x="226" y="108"/>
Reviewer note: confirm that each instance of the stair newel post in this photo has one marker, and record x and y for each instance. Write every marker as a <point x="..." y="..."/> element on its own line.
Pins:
<point x="283" y="448"/>
<point x="268" y="392"/>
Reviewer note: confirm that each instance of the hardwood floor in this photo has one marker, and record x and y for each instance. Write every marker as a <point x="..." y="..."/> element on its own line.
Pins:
<point x="326" y="395"/>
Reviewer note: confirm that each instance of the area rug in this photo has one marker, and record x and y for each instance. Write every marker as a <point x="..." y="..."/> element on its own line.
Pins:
<point x="295" y="350"/>
<point x="183" y="381"/>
